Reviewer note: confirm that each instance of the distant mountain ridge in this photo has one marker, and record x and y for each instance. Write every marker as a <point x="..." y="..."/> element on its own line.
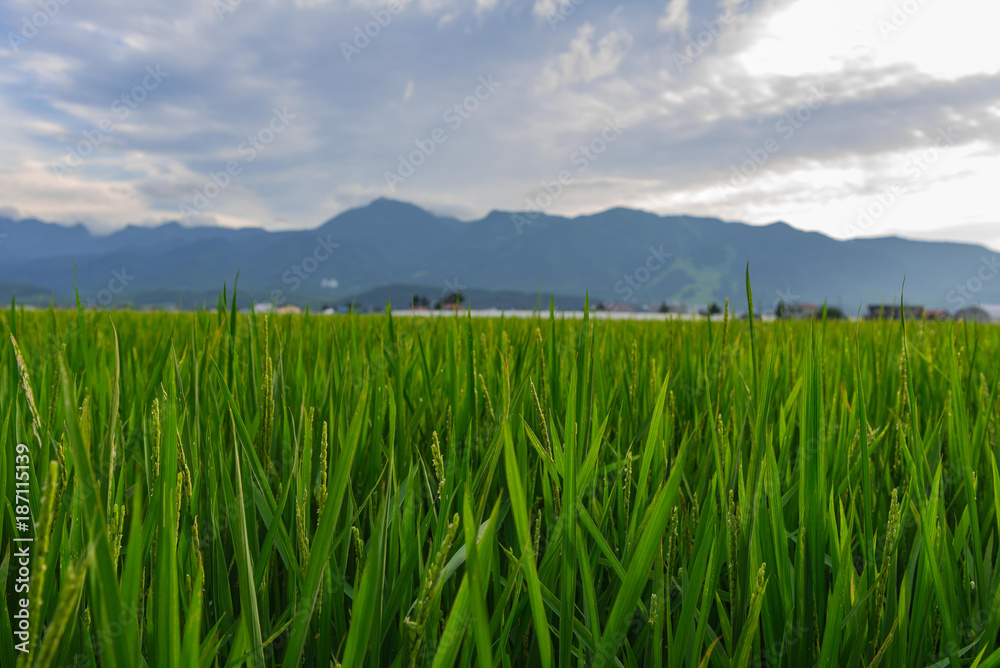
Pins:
<point x="620" y="254"/>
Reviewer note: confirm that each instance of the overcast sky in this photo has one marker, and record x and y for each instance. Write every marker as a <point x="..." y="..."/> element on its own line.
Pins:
<point x="807" y="111"/>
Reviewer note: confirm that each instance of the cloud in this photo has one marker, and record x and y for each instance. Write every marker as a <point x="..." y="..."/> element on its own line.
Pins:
<point x="891" y="89"/>
<point x="812" y="36"/>
<point x="585" y="60"/>
<point x="543" y="9"/>
<point x="676" y="18"/>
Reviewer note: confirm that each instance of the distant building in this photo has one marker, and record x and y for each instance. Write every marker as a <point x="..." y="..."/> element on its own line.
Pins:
<point x="983" y="313"/>
<point x="936" y="314"/>
<point x="801" y="311"/>
<point x="894" y="311"/>
<point x="268" y="307"/>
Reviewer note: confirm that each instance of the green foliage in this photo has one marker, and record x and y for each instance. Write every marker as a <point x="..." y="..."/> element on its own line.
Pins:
<point x="219" y="489"/>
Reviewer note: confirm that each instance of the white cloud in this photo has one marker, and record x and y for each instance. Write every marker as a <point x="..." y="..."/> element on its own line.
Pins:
<point x="585" y="60"/>
<point x="543" y="9"/>
<point x="677" y="17"/>
<point x="815" y="36"/>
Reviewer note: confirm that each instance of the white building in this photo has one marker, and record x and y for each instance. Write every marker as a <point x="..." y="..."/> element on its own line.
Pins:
<point x="981" y="313"/>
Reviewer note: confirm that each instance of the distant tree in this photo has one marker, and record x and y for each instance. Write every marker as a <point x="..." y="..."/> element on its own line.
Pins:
<point x="714" y="309"/>
<point x="450" y="298"/>
<point x="779" y="310"/>
<point x="664" y="308"/>
<point x="834" y="313"/>
<point x="417" y="301"/>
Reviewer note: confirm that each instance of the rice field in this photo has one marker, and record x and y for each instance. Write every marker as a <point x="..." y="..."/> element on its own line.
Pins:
<point x="219" y="489"/>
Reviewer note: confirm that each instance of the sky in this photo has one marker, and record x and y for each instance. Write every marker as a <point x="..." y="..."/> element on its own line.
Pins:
<point x="855" y="118"/>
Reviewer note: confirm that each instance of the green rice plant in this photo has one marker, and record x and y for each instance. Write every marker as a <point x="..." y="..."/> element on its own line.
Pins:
<point x="219" y="489"/>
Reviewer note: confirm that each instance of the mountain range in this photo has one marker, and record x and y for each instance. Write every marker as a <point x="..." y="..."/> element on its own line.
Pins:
<point x="391" y="250"/>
